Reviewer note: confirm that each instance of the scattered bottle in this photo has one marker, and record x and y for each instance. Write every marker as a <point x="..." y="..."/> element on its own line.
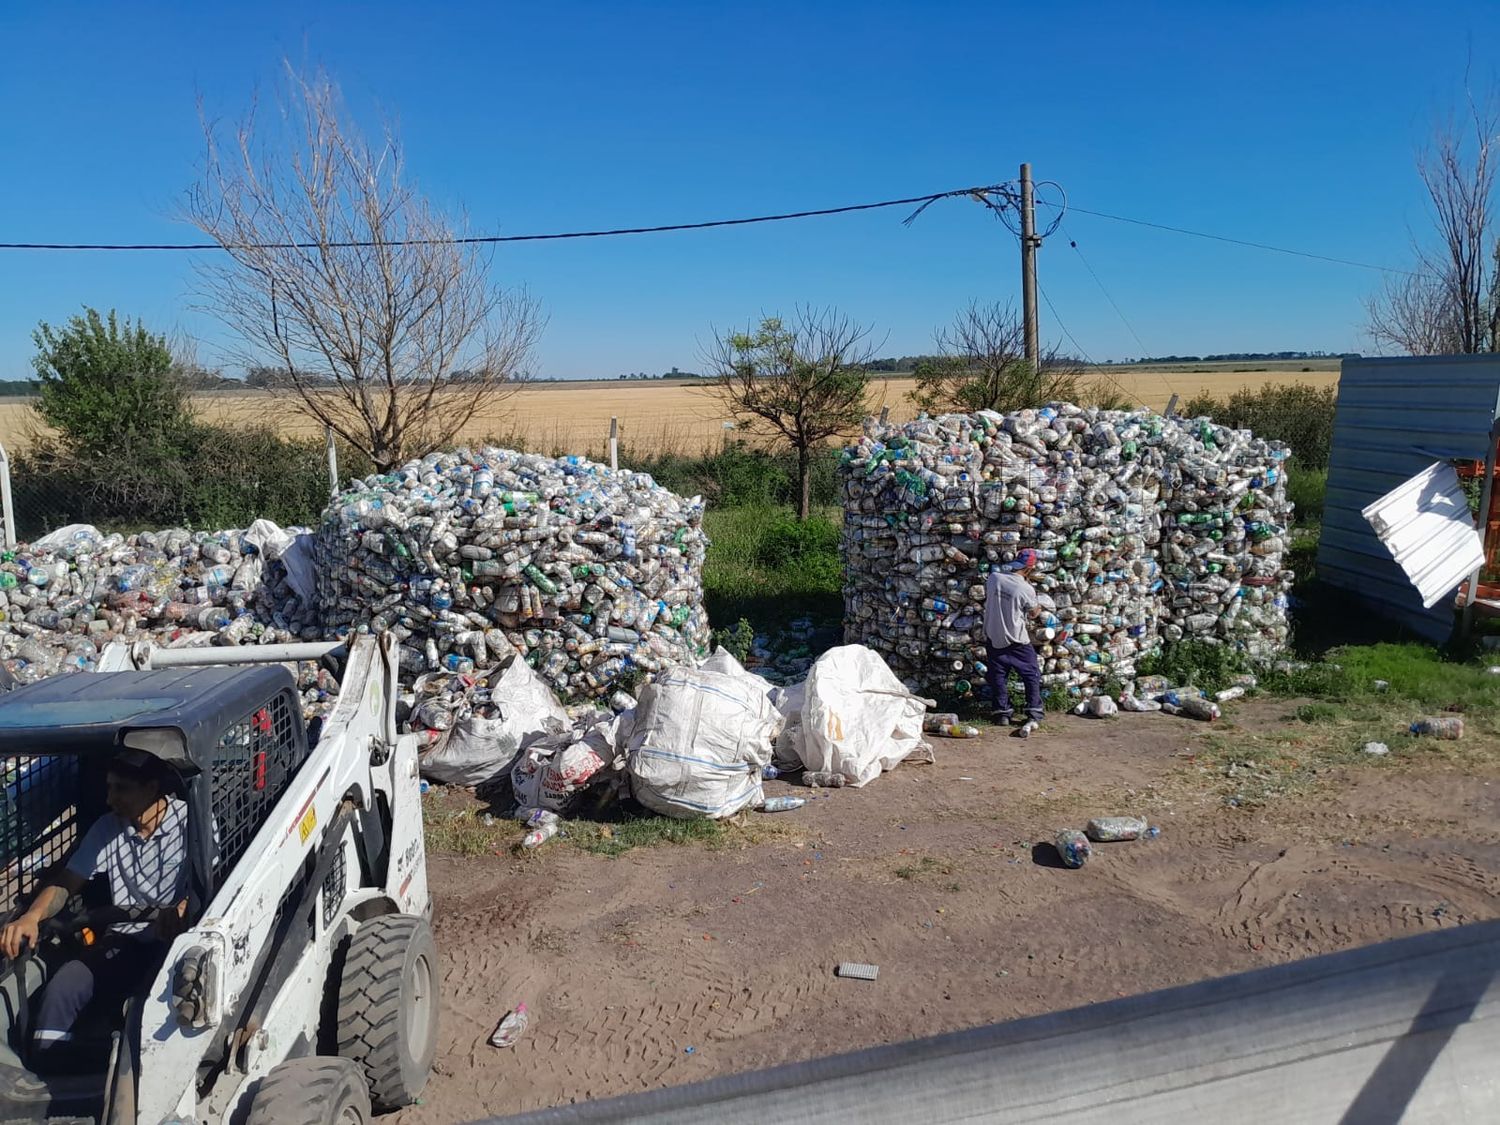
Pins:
<point x="1447" y="727"/>
<point x="1074" y="848"/>
<point x="782" y="804"/>
<point x="543" y="824"/>
<point x="511" y="1028"/>
<point x="954" y="730"/>
<point x="823" y="779"/>
<point x="1110" y="829"/>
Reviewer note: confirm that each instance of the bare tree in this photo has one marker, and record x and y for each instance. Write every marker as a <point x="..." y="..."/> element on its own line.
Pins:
<point x="982" y="365"/>
<point x="1451" y="302"/>
<point x="348" y="282"/>
<point x="799" y="381"/>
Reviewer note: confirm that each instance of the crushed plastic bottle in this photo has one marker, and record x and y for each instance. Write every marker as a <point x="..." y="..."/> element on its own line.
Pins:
<point x="1109" y="829"/>
<point x="1073" y="847"/>
<point x="1447" y="727"/>
<point x="781" y="804"/>
<point x="824" y="779"/>
<point x="511" y="1028"/>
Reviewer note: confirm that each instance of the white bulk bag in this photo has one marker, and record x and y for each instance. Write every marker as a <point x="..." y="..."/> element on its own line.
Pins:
<point x="858" y="718"/>
<point x="700" y="741"/>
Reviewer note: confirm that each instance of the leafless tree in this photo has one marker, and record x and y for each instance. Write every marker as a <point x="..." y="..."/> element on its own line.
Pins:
<point x="982" y="365"/>
<point x="799" y="381"/>
<point x="350" y="283"/>
<point x="1451" y="301"/>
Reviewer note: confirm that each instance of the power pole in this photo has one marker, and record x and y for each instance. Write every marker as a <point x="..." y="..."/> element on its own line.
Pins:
<point x="1029" y="244"/>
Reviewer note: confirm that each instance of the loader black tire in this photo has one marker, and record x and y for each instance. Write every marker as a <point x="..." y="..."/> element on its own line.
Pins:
<point x="312" y="1091"/>
<point x="388" y="1007"/>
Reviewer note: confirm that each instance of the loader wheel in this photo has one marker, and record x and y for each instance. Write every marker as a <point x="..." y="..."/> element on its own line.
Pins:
<point x="388" y="1007"/>
<point x="311" y="1091"/>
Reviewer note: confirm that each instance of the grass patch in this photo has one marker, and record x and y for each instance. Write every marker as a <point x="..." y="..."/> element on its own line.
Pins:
<point x="455" y="822"/>
<point x="1206" y="666"/>
<point x="763" y="567"/>
<point x="1415" y="675"/>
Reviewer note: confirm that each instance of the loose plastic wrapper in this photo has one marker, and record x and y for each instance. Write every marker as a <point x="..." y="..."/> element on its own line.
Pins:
<point x="1148" y="530"/>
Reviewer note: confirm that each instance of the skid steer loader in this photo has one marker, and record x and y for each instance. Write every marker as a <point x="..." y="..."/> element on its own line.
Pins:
<point x="304" y="990"/>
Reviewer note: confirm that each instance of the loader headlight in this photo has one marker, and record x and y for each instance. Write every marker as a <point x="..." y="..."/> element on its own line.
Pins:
<point x="195" y="992"/>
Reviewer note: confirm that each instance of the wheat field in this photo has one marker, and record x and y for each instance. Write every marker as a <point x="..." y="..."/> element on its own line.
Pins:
<point x="671" y="416"/>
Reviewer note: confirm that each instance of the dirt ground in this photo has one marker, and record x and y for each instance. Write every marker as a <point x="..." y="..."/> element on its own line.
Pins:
<point x="672" y="964"/>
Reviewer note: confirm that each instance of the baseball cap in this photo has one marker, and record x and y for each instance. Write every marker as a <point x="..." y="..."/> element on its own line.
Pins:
<point x="1024" y="557"/>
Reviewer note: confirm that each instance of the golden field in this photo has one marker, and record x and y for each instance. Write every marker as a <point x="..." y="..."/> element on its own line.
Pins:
<point x="687" y="418"/>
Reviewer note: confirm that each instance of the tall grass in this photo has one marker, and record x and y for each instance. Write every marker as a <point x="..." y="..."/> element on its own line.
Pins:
<point x="765" y="567"/>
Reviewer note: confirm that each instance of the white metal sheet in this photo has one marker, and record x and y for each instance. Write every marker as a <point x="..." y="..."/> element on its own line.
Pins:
<point x="1426" y="525"/>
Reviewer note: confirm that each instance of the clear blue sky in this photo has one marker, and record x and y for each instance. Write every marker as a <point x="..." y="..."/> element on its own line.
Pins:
<point x="1283" y="122"/>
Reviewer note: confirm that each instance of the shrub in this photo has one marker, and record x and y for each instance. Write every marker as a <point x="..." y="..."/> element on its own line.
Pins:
<point x="221" y="478"/>
<point x="1198" y="663"/>
<point x="739" y="475"/>
<point x="1298" y="414"/>
<point x="1306" y="488"/>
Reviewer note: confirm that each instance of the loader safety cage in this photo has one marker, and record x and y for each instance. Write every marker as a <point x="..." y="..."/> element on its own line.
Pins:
<point x="234" y="737"/>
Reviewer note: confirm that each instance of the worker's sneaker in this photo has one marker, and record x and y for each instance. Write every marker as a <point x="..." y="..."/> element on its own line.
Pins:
<point x="1025" y="729"/>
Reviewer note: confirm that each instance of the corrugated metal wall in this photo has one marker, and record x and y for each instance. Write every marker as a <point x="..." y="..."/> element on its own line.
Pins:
<point x="1394" y="418"/>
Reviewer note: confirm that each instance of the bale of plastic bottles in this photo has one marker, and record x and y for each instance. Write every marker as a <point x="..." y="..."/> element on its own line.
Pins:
<point x="65" y="597"/>
<point x="593" y="575"/>
<point x="1146" y="529"/>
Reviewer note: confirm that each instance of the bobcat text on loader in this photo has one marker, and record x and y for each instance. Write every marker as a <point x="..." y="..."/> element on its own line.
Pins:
<point x="291" y="974"/>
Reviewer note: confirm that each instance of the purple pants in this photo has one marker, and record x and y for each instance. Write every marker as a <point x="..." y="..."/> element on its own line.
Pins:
<point x="1020" y="659"/>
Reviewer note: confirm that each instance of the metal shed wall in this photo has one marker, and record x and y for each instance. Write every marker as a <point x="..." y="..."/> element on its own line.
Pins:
<point x="1394" y="418"/>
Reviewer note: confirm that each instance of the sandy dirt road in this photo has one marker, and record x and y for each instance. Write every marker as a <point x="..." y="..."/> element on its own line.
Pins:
<point x="672" y="964"/>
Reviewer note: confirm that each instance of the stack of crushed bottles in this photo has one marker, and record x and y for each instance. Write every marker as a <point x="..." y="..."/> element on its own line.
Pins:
<point x="594" y="575"/>
<point x="66" y="597"/>
<point x="1147" y="529"/>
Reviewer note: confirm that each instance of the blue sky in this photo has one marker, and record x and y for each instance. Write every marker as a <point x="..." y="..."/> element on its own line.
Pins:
<point x="1290" y="123"/>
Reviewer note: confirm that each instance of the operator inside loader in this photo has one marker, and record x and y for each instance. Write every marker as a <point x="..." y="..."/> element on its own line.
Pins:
<point x="139" y="847"/>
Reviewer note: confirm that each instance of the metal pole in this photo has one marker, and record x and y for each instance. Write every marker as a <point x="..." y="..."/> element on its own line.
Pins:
<point x="614" y="443"/>
<point x="242" y="654"/>
<point x="1029" y="243"/>
<point x="333" y="462"/>
<point x="7" y="509"/>
<point x="1466" y="622"/>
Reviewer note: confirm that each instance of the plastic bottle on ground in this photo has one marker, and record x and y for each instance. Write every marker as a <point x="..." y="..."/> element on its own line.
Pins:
<point x="782" y="804"/>
<point x="511" y="1028"/>
<point x="1448" y="727"/>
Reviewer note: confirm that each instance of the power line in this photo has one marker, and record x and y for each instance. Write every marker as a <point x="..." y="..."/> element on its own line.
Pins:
<point x="980" y="193"/>
<point x="1074" y="244"/>
<point x="1241" y="241"/>
<point x="1098" y="369"/>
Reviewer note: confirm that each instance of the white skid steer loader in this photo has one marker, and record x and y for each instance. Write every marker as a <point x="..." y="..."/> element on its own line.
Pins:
<point x="304" y="989"/>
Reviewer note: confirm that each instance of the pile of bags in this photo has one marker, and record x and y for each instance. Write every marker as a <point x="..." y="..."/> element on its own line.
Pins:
<point x="697" y="743"/>
<point x="592" y="575"/>
<point x="1147" y="529"/>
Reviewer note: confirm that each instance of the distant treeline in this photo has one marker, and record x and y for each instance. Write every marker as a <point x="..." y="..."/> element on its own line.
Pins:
<point x="1235" y="357"/>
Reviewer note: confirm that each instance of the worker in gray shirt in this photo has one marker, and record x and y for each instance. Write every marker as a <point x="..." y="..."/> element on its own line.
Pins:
<point x="1010" y="603"/>
<point x="140" y="847"/>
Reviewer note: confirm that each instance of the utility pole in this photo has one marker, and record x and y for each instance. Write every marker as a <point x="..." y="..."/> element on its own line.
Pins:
<point x="1029" y="244"/>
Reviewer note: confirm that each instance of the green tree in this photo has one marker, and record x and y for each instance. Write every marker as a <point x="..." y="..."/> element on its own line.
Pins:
<point x="983" y="366"/>
<point x="799" y="382"/>
<point x="109" y="389"/>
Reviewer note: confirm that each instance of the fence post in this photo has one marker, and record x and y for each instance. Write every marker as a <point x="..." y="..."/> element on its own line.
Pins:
<point x="333" y="462"/>
<point x="1171" y="409"/>
<point x="7" y="509"/>
<point x="614" y="443"/>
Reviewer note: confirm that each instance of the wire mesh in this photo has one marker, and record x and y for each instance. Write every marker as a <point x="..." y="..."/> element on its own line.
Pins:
<point x="253" y="764"/>
<point x="46" y="802"/>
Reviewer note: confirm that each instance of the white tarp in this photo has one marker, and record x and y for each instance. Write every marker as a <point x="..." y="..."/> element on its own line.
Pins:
<point x="858" y="718"/>
<point x="1428" y="529"/>
<point x="700" y="741"/>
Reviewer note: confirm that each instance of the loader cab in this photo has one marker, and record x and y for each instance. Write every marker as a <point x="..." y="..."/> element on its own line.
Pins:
<point x="232" y="739"/>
